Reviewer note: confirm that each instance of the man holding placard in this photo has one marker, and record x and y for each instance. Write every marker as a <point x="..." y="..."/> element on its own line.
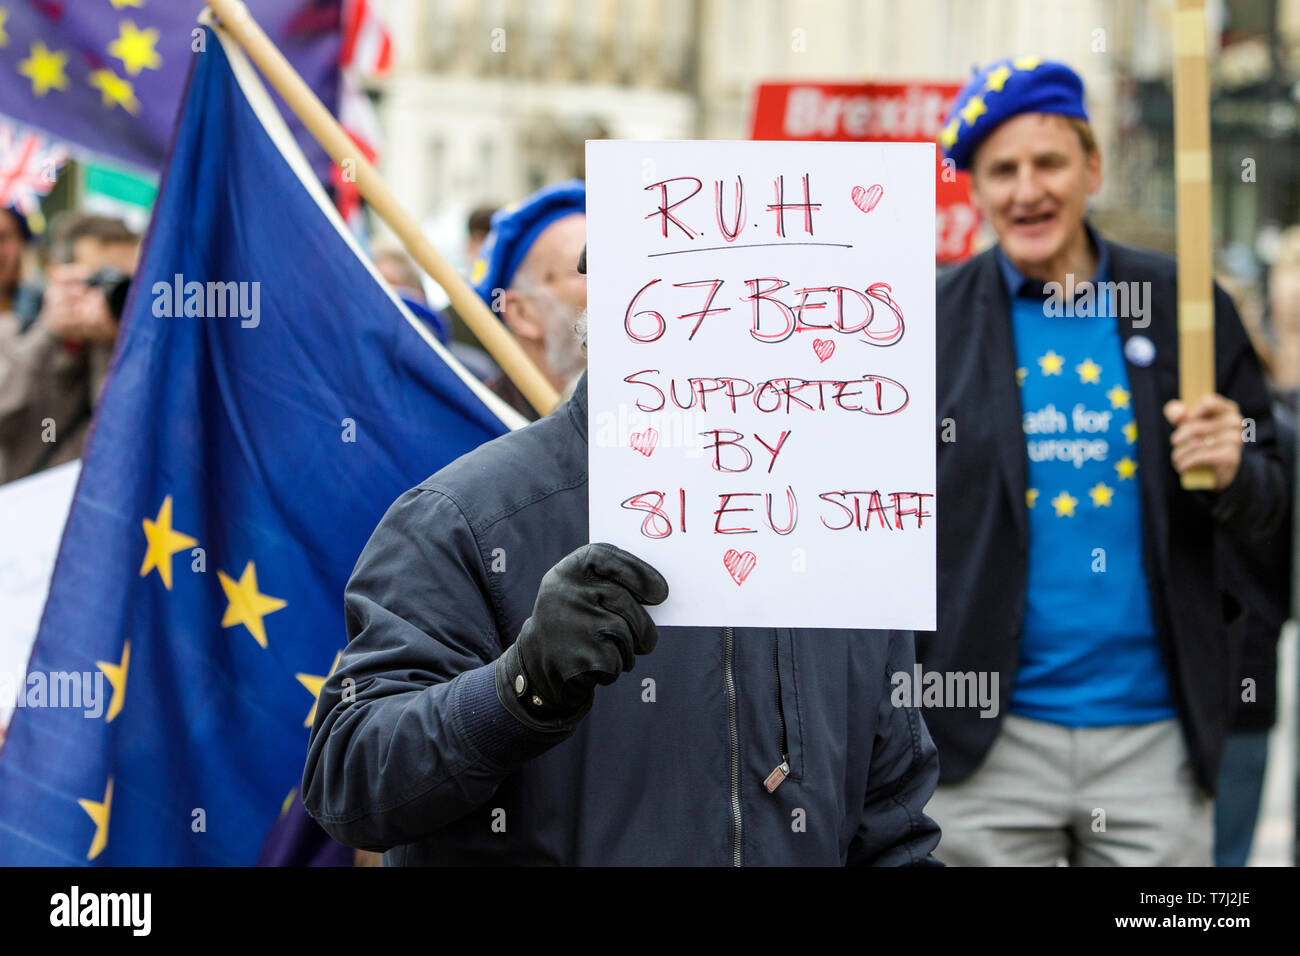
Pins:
<point x="1071" y="561"/>
<point x="763" y="724"/>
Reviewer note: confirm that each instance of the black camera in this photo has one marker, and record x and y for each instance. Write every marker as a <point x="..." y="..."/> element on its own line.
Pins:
<point x="115" y="284"/>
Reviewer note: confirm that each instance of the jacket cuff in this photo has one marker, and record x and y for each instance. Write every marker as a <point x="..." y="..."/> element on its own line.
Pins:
<point x="1226" y="504"/>
<point x="493" y="730"/>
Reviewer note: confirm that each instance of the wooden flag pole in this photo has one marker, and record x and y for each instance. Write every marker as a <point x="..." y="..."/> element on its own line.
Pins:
<point x="528" y="378"/>
<point x="1192" y="176"/>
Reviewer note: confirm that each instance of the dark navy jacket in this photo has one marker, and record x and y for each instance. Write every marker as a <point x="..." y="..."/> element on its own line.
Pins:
<point x="413" y="753"/>
<point x="983" y="527"/>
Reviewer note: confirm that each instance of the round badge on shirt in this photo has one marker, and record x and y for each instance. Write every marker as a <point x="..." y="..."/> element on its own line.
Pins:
<point x="1140" y="351"/>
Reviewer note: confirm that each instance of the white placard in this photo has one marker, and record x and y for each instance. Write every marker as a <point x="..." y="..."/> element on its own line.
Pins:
<point x="761" y="377"/>
<point x="32" y="514"/>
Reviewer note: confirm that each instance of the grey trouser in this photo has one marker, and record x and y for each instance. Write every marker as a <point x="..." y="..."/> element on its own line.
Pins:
<point x="1105" y="796"/>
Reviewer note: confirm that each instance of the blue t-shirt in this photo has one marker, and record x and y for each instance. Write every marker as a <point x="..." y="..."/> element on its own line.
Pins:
<point x="1089" y="655"/>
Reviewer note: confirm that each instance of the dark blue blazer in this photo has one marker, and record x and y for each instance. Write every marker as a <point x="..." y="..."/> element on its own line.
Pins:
<point x="982" y="517"/>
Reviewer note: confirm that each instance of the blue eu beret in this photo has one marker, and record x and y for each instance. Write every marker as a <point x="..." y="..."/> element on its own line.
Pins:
<point x="1005" y="89"/>
<point x="514" y="230"/>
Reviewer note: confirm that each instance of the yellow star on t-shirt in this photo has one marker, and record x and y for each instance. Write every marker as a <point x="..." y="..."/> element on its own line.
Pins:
<point x="163" y="543"/>
<point x="314" y="683"/>
<point x="948" y="135"/>
<point x="99" y="812"/>
<point x="1130" y="432"/>
<point x="1118" y="397"/>
<point x="1027" y="63"/>
<point x="1031" y="497"/>
<point x="973" y="110"/>
<point x="116" y="674"/>
<point x="119" y="4"/>
<point x="1051" y="363"/>
<point x="1101" y="493"/>
<point x="248" y="605"/>
<point x="1021" y="375"/>
<point x="1064" y="504"/>
<point x="115" y="90"/>
<point x="45" y="68"/>
<point x="998" y="78"/>
<point x="1089" y="372"/>
<point x="4" y="36"/>
<point x="1126" y="467"/>
<point x="136" y="48"/>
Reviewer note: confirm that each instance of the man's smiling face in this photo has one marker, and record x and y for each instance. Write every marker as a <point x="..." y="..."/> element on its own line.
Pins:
<point x="1031" y="178"/>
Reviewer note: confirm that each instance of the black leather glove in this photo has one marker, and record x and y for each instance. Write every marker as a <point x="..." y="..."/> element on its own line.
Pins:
<point x="587" y="627"/>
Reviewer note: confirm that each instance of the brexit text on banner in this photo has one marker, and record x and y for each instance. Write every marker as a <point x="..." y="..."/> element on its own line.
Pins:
<point x="877" y="113"/>
<point x="237" y="466"/>
<point x="761" y="377"/>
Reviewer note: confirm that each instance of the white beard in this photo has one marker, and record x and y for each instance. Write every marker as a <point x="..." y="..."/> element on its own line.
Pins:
<point x="566" y="337"/>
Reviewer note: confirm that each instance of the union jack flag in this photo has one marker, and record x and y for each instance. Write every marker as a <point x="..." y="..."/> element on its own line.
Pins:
<point x="29" y="167"/>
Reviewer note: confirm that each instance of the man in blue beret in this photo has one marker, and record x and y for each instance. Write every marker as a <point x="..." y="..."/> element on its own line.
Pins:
<point x="525" y="272"/>
<point x="1073" y="566"/>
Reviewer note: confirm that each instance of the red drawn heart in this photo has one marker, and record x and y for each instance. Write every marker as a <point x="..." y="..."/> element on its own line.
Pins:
<point x="739" y="565"/>
<point x="823" y="348"/>
<point x="645" y="441"/>
<point x="866" y="199"/>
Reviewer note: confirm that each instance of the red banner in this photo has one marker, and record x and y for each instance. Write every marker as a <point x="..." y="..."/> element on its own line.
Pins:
<point x="881" y="113"/>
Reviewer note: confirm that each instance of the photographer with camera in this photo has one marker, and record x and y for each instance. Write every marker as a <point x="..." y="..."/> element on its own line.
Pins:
<point x="52" y="370"/>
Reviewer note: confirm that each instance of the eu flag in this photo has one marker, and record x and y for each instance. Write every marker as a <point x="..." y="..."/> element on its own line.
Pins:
<point x="107" y="75"/>
<point x="269" y="398"/>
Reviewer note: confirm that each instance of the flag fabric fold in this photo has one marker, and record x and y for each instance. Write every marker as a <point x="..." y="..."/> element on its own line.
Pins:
<point x="270" y="397"/>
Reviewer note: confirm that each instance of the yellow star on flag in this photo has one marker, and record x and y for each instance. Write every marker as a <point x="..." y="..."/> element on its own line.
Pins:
<point x="314" y="684"/>
<point x="1126" y="467"/>
<point x="1131" y="432"/>
<point x="1118" y="397"/>
<point x="45" y="68"/>
<point x="99" y="813"/>
<point x="4" y="36"/>
<point x="1031" y="497"/>
<point x="1089" y="372"/>
<point x="136" y="48"/>
<point x="998" y="78"/>
<point x="1021" y="375"/>
<point x="1101" y="493"/>
<point x="163" y="543"/>
<point x="948" y="135"/>
<point x="116" y="91"/>
<point x="116" y="674"/>
<point x="248" y="605"/>
<point x="1051" y="363"/>
<point x="1064" y="504"/>
<point x="973" y="110"/>
<point x="1027" y="63"/>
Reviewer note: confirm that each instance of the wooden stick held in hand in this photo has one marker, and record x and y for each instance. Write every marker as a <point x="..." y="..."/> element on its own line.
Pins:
<point x="1192" y="175"/>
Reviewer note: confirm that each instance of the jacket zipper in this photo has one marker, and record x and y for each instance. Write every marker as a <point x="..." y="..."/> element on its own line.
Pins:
<point x="778" y="775"/>
<point x="735" y="745"/>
